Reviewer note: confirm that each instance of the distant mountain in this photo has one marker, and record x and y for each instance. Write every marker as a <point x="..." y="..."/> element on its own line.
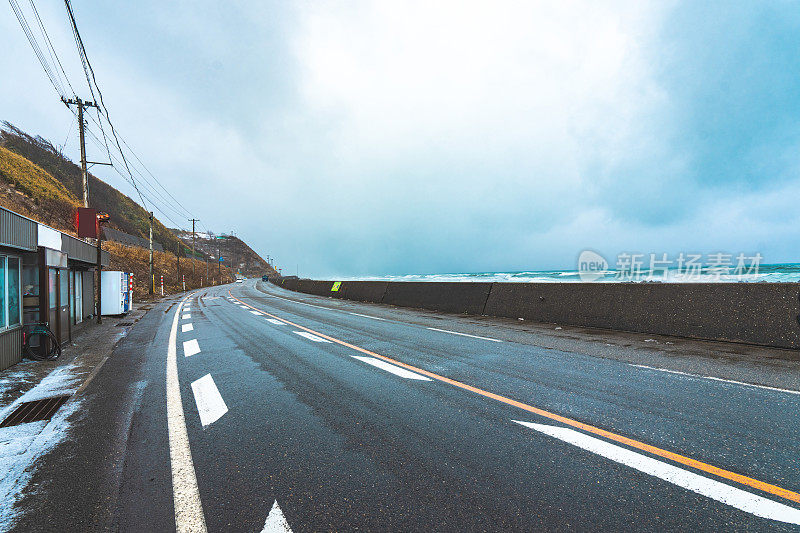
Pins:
<point x="235" y="253"/>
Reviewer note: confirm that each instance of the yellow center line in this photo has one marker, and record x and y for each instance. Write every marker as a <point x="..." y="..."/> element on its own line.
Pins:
<point x="678" y="458"/>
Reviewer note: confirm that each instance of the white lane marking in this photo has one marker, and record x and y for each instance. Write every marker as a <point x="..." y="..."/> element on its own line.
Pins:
<point x="700" y="376"/>
<point x="190" y="348"/>
<point x="276" y="522"/>
<point x="276" y="321"/>
<point x="257" y="312"/>
<point x="186" y="327"/>
<point x="186" y="496"/>
<point x="311" y="336"/>
<point x="302" y="303"/>
<point x="465" y="334"/>
<point x="365" y="316"/>
<point x="186" y="316"/>
<point x="740" y="499"/>
<point x="396" y="370"/>
<point x="210" y="404"/>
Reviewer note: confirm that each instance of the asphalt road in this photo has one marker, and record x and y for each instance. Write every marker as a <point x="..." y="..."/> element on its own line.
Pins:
<point x="239" y="409"/>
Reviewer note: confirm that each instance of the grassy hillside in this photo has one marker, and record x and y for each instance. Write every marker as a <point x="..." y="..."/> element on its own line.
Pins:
<point x="40" y="183"/>
<point x="126" y="215"/>
<point x="29" y="190"/>
<point x="135" y="259"/>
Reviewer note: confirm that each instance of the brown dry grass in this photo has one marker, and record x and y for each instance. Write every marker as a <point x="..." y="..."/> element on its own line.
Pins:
<point x="136" y="260"/>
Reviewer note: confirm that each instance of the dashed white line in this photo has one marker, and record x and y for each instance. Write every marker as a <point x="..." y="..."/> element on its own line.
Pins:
<point x="311" y="336"/>
<point x="210" y="404"/>
<point x="257" y="312"/>
<point x="465" y="334"/>
<point x="190" y="348"/>
<point x="186" y="327"/>
<point x="276" y="321"/>
<point x="302" y="303"/>
<point x="186" y="495"/>
<point x="713" y="378"/>
<point x="396" y="370"/>
<point x="186" y="316"/>
<point x="735" y="497"/>
<point x="366" y="316"/>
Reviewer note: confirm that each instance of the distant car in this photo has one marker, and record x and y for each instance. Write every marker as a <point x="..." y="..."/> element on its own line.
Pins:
<point x="239" y="280"/>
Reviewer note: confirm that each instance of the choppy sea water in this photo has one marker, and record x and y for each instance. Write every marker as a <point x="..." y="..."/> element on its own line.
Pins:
<point x="777" y="273"/>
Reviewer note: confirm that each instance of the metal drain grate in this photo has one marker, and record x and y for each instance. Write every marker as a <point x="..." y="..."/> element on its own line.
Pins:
<point x="33" y="411"/>
<point x="125" y="324"/>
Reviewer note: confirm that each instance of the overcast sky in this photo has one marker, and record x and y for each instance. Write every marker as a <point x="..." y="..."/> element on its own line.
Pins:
<point x="365" y="138"/>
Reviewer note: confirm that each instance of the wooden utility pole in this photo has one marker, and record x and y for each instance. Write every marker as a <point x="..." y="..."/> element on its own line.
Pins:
<point x="152" y="275"/>
<point x="81" y="125"/>
<point x="193" y="220"/>
<point x="99" y="267"/>
<point x="178" y="264"/>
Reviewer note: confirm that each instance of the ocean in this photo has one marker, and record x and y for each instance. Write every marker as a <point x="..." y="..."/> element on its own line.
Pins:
<point x="777" y="273"/>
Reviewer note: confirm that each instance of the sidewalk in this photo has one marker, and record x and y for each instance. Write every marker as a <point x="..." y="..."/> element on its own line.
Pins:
<point x="22" y="444"/>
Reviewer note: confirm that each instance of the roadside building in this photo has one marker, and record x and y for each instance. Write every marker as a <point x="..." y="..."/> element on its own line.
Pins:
<point x="45" y="276"/>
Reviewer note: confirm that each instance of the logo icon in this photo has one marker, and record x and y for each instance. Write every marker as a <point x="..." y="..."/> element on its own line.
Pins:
<point x="591" y="265"/>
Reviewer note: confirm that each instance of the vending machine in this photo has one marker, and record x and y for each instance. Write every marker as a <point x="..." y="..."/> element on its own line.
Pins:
<point x="115" y="298"/>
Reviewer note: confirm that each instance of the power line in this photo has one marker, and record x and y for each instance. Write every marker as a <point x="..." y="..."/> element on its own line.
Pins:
<point x="35" y="45"/>
<point x="153" y="203"/>
<point x="151" y="183"/>
<point x="50" y="47"/>
<point x="87" y="63"/>
<point x="145" y="182"/>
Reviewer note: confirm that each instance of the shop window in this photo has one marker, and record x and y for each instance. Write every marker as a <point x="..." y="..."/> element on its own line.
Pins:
<point x="14" y="308"/>
<point x="30" y="291"/>
<point x="3" y="286"/>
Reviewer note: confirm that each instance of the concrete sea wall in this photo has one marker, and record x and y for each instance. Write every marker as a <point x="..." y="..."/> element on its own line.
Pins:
<point x="755" y="313"/>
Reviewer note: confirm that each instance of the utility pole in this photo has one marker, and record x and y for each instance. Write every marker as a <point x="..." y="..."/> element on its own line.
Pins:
<point x="206" y="268"/>
<point x="219" y="264"/>
<point x="81" y="124"/>
<point x="152" y="276"/>
<point x="178" y="264"/>
<point x="193" y="220"/>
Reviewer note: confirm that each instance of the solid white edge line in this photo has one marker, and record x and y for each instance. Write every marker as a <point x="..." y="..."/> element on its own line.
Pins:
<point x="465" y="334"/>
<point x="396" y="370"/>
<point x="210" y="405"/>
<point x="187" y="327"/>
<point x="735" y="497"/>
<point x="713" y="378"/>
<point x="366" y="316"/>
<point x="189" y="515"/>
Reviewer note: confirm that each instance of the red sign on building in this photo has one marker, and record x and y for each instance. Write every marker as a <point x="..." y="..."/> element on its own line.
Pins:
<point x="87" y="222"/>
